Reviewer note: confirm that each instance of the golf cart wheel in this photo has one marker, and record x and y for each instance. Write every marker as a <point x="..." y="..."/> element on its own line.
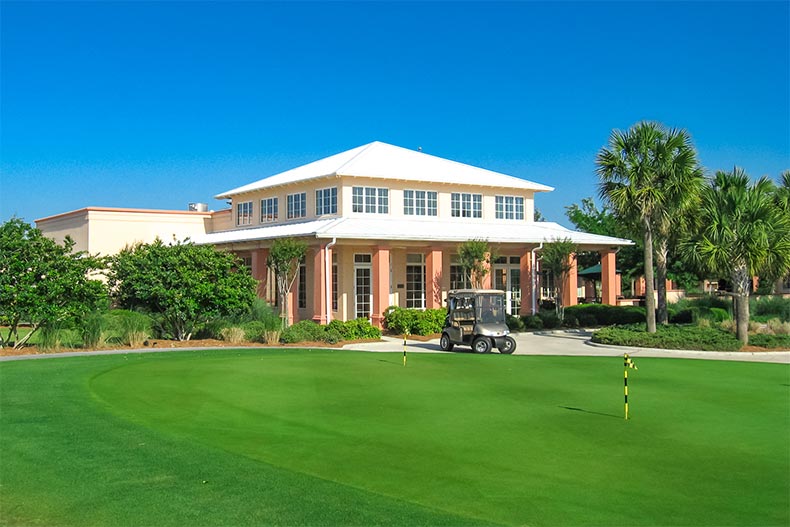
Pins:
<point x="445" y="343"/>
<point x="508" y="346"/>
<point x="481" y="345"/>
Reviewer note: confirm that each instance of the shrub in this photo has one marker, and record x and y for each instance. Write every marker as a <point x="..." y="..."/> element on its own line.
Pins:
<point x="669" y="337"/>
<point x="133" y="327"/>
<point x="778" y="327"/>
<point x="770" y="341"/>
<point x="550" y="319"/>
<point x="94" y="329"/>
<point x="587" y="320"/>
<point x="357" y="329"/>
<point x="302" y="331"/>
<point x="404" y="321"/>
<point x="606" y="315"/>
<point x="514" y="323"/>
<point x="261" y="311"/>
<point x="684" y="316"/>
<point x="771" y="306"/>
<point x="532" y="322"/>
<point x="570" y="321"/>
<point x="233" y="334"/>
<point x="254" y="330"/>
<point x="53" y="337"/>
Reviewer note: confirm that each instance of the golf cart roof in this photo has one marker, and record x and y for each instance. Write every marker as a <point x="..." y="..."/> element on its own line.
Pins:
<point x="457" y="292"/>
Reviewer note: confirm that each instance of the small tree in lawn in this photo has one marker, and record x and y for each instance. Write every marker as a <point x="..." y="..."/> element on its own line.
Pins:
<point x="284" y="258"/>
<point x="185" y="284"/>
<point x="557" y="257"/>
<point x="43" y="282"/>
<point x="475" y="258"/>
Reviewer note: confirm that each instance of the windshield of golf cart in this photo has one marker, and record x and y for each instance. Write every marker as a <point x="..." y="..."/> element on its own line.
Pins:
<point x="490" y="308"/>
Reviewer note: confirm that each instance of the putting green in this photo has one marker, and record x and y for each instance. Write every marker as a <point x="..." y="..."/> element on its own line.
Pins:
<point x="511" y="440"/>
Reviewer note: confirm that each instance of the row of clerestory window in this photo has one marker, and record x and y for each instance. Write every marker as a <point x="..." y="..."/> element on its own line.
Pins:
<point x="375" y="200"/>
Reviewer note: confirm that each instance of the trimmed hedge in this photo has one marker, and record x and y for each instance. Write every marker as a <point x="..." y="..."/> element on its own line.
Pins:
<point x="335" y="331"/>
<point x="605" y="315"/>
<point x="405" y="321"/>
<point x="669" y="337"/>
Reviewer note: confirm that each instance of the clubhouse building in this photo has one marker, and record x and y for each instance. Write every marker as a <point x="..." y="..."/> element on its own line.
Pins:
<point x="383" y="225"/>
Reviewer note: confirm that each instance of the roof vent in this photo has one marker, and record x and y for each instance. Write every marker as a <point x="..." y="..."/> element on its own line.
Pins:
<point x="198" y="207"/>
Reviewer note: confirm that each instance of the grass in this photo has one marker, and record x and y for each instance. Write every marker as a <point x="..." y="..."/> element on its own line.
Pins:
<point x="345" y="438"/>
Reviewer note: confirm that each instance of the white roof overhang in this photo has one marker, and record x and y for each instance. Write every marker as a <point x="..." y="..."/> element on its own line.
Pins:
<point x="386" y="230"/>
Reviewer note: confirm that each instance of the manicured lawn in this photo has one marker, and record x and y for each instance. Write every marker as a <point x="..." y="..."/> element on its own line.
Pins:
<point x="293" y="437"/>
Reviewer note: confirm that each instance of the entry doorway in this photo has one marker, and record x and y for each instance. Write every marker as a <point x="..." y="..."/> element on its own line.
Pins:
<point x="363" y="285"/>
<point x="507" y="277"/>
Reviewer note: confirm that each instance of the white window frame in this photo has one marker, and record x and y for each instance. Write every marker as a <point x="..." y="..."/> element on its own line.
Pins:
<point x="509" y="207"/>
<point x="269" y="210"/>
<point x="244" y="213"/>
<point x="415" y="298"/>
<point x="326" y="201"/>
<point x="420" y="202"/>
<point x="370" y="200"/>
<point x="297" y="200"/>
<point x="466" y="205"/>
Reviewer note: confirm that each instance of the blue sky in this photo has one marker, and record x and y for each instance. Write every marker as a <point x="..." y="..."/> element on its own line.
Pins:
<point x="155" y="105"/>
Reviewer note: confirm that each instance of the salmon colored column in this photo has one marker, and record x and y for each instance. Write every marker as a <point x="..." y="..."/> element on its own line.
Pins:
<point x="433" y="279"/>
<point x="381" y="285"/>
<point x="569" y="294"/>
<point x="608" y="278"/>
<point x="319" y="285"/>
<point x="259" y="270"/>
<point x="527" y="286"/>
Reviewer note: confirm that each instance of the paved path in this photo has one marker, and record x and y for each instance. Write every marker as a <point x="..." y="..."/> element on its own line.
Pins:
<point x="568" y="343"/>
<point x="577" y="343"/>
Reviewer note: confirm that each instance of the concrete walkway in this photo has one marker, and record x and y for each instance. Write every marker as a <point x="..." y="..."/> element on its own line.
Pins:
<point x="563" y="343"/>
<point x="576" y="343"/>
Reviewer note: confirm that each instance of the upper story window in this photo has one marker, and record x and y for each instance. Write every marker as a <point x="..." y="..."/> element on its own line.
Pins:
<point x="463" y="205"/>
<point x="370" y="200"/>
<point x="419" y="203"/>
<point x="509" y="207"/>
<point x="268" y="210"/>
<point x="297" y="205"/>
<point x="244" y="213"/>
<point x="326" y="201"/>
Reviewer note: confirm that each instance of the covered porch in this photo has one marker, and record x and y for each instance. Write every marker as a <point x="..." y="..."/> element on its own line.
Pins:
<point x="347" y="275"/>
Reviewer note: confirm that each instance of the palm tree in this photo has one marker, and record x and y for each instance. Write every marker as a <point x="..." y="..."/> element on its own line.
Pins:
<point x="680" y="179"/>
<point x="744" y="233"/>
<point x="629" y="185"/>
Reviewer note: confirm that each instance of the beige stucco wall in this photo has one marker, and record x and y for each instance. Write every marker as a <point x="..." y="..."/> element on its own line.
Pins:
<point x="106" y="231"/>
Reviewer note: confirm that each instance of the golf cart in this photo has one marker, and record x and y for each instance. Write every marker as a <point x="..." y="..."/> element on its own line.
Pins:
<point x="476" y="317"/>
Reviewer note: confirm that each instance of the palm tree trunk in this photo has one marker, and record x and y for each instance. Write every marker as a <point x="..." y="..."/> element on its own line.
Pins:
<point x="650" y="300"/>
<point x="741" y="284"/>
<point x="661" y="278"/>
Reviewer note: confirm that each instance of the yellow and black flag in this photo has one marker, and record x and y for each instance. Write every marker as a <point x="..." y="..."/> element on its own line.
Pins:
<point x="627" y="363"/>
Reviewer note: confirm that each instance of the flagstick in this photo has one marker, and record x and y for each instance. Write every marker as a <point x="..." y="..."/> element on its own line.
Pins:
<point x="625" y="383"/>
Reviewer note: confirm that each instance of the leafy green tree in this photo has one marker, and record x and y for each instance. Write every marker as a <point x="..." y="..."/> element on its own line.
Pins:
<point x="588" y="217"/>
<point x="643" y="175"/>
<point x="185" y="284"/>
<point x="284" y="257"/>
<point x="558" y="257"/>
<point x="43" y="283"/>
<point x="475" y="257"/>
<point x="744" y="233"/>
<point x="680" y="180"/>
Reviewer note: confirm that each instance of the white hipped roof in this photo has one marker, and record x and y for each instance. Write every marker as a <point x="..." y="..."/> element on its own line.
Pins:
<point x="386" y="230"/>
<point x="385" y="161"/>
